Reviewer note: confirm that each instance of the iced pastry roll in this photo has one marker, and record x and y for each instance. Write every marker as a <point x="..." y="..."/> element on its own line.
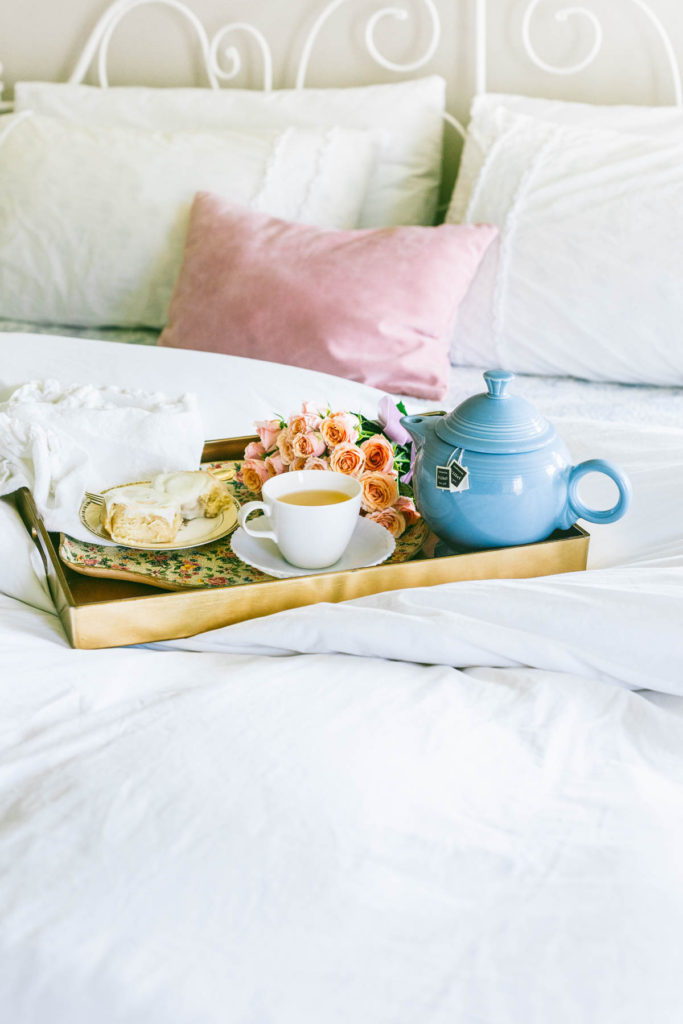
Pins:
<point x="153" y="512"/>
<point x="139" y="514"/>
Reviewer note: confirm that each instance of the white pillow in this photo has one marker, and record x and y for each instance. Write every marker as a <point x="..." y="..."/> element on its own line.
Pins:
<point x="586" y="277"/>
<point x="404" y="117"/>
<point x="93" y="220"/>
<point x="483" y="128"/>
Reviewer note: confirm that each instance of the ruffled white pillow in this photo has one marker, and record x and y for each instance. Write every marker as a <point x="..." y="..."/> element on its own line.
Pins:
<point x="404" y="119"/>
<point x="485" y="126"/>
<point x="585" y="280"/>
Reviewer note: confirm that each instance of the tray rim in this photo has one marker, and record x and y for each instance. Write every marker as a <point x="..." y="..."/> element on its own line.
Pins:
<point x="84" y="630"/>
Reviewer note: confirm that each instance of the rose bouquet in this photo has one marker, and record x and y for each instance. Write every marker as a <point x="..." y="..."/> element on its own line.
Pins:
<point x="377" y="452"/>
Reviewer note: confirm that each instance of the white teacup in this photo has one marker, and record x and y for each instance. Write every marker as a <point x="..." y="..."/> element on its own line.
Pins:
<point x="312" y="514"/>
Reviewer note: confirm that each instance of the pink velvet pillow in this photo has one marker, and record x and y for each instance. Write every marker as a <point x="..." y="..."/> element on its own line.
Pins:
<point x="370" y="305"/>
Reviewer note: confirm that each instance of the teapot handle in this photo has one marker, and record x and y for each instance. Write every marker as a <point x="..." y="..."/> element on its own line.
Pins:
<point x="608" y="515"/>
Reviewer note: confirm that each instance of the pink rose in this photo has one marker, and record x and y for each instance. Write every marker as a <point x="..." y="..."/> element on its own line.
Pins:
<point x="275" y="464"/>
<point x="316" y="463"/>
<point x="406" y="506"/>
<point x="303" y="423"/>
<point x="284" y="445"/>
<point x="379" y="454"/>
<point x="339" y="428"/>
<point x="268" y="430"/>
<point x="380" y="491"/>
<point x="305" y="445"/>
<point x="391" y="519"/>
<point x="254" y="450"/>
<point x="347" y="458"/>
<point x="253" y="474"/>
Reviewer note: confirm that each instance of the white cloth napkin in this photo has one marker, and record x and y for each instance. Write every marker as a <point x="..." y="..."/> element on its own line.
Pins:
<point x="61" y="440"/>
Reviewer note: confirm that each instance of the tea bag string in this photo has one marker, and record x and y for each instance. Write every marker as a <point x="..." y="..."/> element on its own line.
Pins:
<point x="455" y="456"/>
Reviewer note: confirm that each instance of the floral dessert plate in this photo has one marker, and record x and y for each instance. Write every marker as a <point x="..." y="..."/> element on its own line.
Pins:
<point x="192" y="534"/>
<point x="370" y="544"/>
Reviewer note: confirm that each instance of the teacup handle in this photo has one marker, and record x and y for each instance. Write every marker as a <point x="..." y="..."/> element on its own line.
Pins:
<point x="608" y="515"/>
<point x="246" y="510"/>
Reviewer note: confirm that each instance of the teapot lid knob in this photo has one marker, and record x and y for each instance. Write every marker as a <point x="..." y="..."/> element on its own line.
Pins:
<point x="495" y="422"/>
<point x="497" y="381"/>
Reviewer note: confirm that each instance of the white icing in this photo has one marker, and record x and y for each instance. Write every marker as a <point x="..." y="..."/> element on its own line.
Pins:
<point x="141" y="499"/>
<point x="164" y="495"/>
<point x="185" y="489"/>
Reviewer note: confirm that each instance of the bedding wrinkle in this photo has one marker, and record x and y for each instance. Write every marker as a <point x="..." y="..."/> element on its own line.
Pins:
<point x="550" y="624"/>
<point x="517" y="767"/>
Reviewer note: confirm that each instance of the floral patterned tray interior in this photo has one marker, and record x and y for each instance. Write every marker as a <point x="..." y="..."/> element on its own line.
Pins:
<point x="213" y="565"/>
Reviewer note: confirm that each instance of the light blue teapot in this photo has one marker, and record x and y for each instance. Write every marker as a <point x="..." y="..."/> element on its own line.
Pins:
<point x="493" y="472"/>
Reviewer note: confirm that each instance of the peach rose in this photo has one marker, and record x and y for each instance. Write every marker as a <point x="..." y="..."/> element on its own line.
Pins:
<point x="275" y="464"/>
<point x="379" y="454"/>
<point x="347" y="458"/>
<point x="268" y="431"/>
<point x="391" y="519"/>
<point x="305" y="445"/>
<point x="284" y="446"/>
<point x="298" y="464"/>
<point x="339" y="428"/>
<point x="315" y="462"/>
<point x="380" y="491"/>
<point x="254" y="450"/>
<point x="406" y="506"/>
<point x="253" y="474"/>
<point x="303" y="423"/>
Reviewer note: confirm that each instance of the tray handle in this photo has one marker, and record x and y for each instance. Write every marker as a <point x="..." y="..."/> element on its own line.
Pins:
<point x="32" y="520"/>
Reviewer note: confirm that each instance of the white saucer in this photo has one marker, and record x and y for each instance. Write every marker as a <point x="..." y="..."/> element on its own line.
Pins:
<point x="370" y="544"/>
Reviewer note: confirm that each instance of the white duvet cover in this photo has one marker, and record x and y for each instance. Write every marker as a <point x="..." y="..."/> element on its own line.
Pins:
<point x="459" y="804"/>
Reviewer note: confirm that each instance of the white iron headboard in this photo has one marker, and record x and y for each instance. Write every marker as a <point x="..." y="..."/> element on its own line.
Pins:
<point x="222" y="61"/>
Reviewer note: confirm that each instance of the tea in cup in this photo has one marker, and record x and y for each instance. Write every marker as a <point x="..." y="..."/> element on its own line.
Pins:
<point x="311" y="513"/>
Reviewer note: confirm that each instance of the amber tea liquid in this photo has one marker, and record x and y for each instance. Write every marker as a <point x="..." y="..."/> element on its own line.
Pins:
<point x="316" y="497"/>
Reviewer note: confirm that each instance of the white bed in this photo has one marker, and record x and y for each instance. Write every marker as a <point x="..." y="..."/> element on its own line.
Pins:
<point x="460" y="803"/>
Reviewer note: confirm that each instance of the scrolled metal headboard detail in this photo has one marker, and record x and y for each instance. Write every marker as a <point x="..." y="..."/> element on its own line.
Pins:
<point x="564" y="15"/>
<point x="398" y="13"/>
<point x="222" y="60"/>
<point x="97" y="45"/>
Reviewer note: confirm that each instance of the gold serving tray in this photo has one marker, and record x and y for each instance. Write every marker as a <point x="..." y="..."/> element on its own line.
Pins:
<point x="100" y="612"/>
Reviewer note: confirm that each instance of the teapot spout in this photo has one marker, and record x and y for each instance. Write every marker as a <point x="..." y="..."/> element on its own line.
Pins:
<point x="419" y="427"/>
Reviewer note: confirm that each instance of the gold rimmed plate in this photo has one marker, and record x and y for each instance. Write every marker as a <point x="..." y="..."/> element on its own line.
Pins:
<point x="192" y="534"/>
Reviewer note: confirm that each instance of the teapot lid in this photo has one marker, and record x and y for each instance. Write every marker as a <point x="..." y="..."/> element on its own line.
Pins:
<point x="495" y="421"/>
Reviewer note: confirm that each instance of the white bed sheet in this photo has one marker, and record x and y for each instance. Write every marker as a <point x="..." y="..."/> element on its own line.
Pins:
<point x="448" y="804"/>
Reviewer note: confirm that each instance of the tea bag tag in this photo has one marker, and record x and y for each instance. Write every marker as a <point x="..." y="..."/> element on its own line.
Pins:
<point x="453" y="476"/>
<point x="443" y="478"/>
